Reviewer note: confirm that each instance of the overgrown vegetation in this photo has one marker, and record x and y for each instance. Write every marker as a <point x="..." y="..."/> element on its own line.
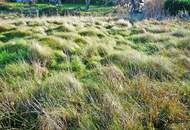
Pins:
<point x="94" y="73"/>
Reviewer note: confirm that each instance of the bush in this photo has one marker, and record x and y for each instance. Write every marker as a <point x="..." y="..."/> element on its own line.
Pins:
<point x="175" y="6"/>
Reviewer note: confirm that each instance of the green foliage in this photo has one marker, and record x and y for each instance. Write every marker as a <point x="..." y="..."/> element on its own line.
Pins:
<point x="175" y="6"/>
<point x="12" y="53"/>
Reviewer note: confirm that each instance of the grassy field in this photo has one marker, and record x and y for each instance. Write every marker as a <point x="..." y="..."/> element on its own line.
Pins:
<point x="24" y="7"/>
<point x="86" y="73"/>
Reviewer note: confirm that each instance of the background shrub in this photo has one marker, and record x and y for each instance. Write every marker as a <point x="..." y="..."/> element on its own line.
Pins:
<point x="175" y="6"/>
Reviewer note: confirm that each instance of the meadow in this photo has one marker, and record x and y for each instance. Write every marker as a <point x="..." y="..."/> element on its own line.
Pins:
<point x="16" y="10"/>
<point x="94" y="73"/>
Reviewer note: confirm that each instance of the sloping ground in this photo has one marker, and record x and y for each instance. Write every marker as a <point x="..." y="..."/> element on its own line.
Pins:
<point x="94" y="73"/>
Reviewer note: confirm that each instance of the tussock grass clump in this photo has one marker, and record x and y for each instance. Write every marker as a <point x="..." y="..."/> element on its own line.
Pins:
<point x="184" y="43"/>
<point x="93" y="54"/>
<point x="118" y="31"/>
<point x="180" y="34"/>
<point x="147" y="37"/>
<point x="96" y="50"/>
<point x="144" y="38"/>
<point x="38" y="30"/>
<point x="61" y="28"/>
<point x="20" y="23"/>
<point x="91" y="32"/>
<point x="137" y="30"/>
<point x="67" y="84"/>
<point x="157" y="29"/>
<point x="80" y="40"/>
<point x="6" y="27"/>
<point x="60" y="118"/>
<point x="14" y="34"/>
<point x="40" y="53"/>
<point x="53" y="42"/>
<point x="123" y="23"/>
<point x="21" y="68"/>
<point x="34" y="23"/>
<point x="184" y="60"/>
<point x="137" y="63"/>
<point x="112" y="76"/>
<point x="67" y="36"/>
<point x="39" y="70"/>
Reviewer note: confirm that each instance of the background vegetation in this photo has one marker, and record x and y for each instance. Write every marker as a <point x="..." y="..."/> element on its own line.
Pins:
<point x="151" y="7"/>
<point x="175" y="6"/>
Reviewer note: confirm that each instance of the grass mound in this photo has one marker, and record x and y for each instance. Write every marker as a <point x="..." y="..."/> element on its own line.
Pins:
<point x="136" y="63"/>
<point x="14" y="34"/>
<point x="6" y="27"/>
<point x="91" y="32"/>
